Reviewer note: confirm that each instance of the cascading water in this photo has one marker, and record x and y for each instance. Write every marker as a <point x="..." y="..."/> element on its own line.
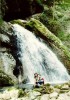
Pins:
<point x="36" y="57"/>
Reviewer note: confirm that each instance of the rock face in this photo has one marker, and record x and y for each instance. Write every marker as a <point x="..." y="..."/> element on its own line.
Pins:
<point x="22" y="8"/>
<point x="7" y="61"/>
<point x="5" y="80"/>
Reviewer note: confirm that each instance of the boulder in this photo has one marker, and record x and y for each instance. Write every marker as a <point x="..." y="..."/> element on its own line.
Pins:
<point x="45" y="97"/>
<point x="63" y="96"/>
<point x="54" y="95"/>
<point x="9" y="94"/>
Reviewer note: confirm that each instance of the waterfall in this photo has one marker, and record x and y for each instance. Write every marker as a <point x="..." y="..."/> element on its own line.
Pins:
<point x="36" y="57"/>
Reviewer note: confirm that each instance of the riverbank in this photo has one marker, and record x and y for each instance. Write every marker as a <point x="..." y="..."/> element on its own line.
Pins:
<point x="46" y="92"/>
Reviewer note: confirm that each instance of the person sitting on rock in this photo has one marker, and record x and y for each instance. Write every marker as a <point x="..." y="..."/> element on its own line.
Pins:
<point x="38" y="80"/>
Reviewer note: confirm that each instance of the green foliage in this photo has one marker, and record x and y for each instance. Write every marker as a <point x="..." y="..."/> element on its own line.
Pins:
<point x="67" y="1"/>
<point x="1" y="21"/>
<point x="63" y="36"/>
<point x="47" y="19"/>
<point x="56" y="19"/>
<point x="58" y="86"/>
<point x="39" y="1"/>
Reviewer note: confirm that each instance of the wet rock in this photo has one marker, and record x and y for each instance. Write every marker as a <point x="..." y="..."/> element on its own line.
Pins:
<point x="7" y="61"/>
<point x="4" y="38"/>
<point x="11" y="94"/>
<point x="45" y="97"/>
<point x="7" y="64"/>
<point x="19" y="21"/>
<point x="33" y="94"/>
<point x="68" y="94"/>
<point x="65" y="87"/>
<point x="5" y="80"/>
<point x="54" y="95"/>
<point x="63" y="97"/>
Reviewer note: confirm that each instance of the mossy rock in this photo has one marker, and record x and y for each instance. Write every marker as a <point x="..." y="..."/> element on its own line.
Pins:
<point x="21" y="93"/>
<point x="48" y="85"/>
<point x="19" y="21"/>
<point x="45" y="89"/>
<point x="58" y="86"/>
<point x="6" y="28"/>
<point x="64" y="91"/>
<point x="5" y="80"/>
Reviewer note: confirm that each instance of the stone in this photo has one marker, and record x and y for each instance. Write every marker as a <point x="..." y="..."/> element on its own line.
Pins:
<point x="68" y="94"/>
<point x="33" y="94"/>
<point x="45" y="97"/>
<point x="54" y="95"/>
<point x="7" y="62"/>
<point x="9" y="94"/>
<point x="63" y="97"/>
<point x="65" y="87"/>
<point x="4" y="38"/>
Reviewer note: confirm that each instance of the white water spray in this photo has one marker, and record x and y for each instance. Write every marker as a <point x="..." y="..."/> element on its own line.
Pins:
<point x="36" y="57"/>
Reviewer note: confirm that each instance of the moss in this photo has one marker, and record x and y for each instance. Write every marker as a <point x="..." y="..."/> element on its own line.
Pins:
<point x="39" y="2"/>
<point x="47" y="85"/>
<point x="20" y="22"/>
<point x="5" y="80"/>
<point x="45" y="89"/>
<point x="58" y="86"/>
<point x="35" y="24"/>
<point x="64" y="91"/>
<point x="21" y="93"/>
<point x="1" y="21"/>
<point x="10" y="88"/>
